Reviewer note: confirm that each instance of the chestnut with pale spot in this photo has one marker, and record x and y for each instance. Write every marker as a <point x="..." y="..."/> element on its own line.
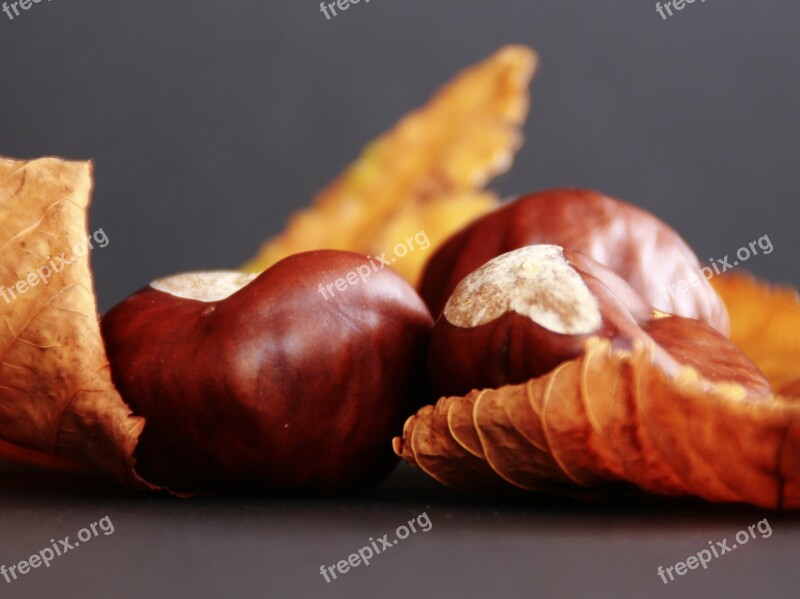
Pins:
<point x="643" y="250"/>
<point x="524" y="313"/>
<point x="251" y="384"/>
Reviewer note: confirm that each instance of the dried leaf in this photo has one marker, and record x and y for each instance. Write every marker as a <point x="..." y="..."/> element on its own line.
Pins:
<point x="425" y="174"/>
<point x="609" y="417"/>
<point x="439" y="455"/>
<point x="56" y="394"/>
<point x="765" y="321"/>
<point x="503" y="437"/>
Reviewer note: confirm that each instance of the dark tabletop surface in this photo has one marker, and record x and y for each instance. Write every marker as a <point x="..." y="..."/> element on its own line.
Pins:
<point x="474" y="547"/>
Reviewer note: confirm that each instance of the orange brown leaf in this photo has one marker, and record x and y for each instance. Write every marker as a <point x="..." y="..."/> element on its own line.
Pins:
<point x="614" y="417"/>
<point x="765" y="322"/>
<point x="56" y="394"/>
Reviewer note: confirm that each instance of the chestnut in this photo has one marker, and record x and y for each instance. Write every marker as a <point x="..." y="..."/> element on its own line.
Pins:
<point x="260" y="384"/>
<point x="646" y="252"/>
<point x="525" y="312"/>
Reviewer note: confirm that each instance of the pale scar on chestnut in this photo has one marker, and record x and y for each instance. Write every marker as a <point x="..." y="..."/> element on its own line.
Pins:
<point x="534" y="281"/>
<point x="204" y="286"/>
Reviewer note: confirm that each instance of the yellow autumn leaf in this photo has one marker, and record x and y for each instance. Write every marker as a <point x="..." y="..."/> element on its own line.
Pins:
<point x="424" y="175"/>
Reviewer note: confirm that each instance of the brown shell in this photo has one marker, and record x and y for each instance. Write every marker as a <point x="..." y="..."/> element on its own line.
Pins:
<point x="612" y="416"/>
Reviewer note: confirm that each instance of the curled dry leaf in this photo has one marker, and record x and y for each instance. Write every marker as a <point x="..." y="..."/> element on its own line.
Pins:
<point x="426" y="174"/>
<point x="612" y="416"/>
<point x="58" y="405"/>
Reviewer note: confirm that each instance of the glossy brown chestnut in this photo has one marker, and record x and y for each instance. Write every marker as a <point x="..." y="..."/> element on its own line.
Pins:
<point x="648" y="254"/>
<point x="262" y="383"/>
<point x="525" y="312"/>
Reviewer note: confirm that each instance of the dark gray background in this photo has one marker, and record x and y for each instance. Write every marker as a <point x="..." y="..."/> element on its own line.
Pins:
<point x="209" y="122"/>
